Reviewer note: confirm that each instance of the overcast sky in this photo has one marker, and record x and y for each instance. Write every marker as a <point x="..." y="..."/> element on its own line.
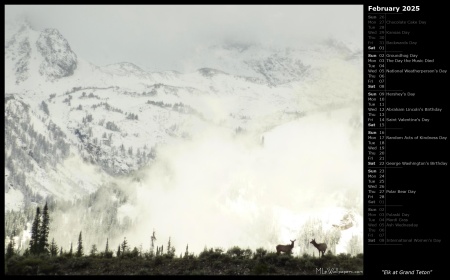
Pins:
<point x="156" y="37"/>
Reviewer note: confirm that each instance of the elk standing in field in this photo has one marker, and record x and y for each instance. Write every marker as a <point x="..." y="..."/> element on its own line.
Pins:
<point x="322" y="247"/>
<point x="285" y="248"/>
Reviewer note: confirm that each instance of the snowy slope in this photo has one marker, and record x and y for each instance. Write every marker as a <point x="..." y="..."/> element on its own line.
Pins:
<point x="305" y="179"/>
<point x="74" y="126"/>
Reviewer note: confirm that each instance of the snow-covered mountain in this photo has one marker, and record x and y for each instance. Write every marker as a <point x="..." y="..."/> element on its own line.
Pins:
<point x="47" y="53"/>
<point x="72" y="127"/>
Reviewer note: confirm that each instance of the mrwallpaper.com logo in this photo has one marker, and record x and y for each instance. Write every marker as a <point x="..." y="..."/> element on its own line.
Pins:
<point x="335" y="270"/>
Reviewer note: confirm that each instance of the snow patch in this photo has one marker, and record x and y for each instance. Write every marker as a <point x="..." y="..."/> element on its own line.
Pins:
<point x="13" y="200"/>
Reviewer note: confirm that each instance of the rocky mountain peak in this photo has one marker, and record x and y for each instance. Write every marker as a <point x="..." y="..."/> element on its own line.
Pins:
<point x="28" y="52"/>
<point x="59" y="59"/>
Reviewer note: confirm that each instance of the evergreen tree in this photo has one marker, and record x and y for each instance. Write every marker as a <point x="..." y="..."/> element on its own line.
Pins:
<point x="168" y="246"/>
<point x="160" y="250"/>
<point x="26" y="253"/>
<point x="118" y="251"/>
<point x="186" y="254"/>
<point x="70" y="251"/>
<point x="53" y="248"/>
<point x="152" y="248"/>
<point x="10" y="250"/>
<point x="43" y="231"/>
<point x="34" y="242"/>
<point x="60" y="251"/>
<point x="124" y="246"/>
<point x="80" y="246"/>
<point x="108" y="253"/>
<point x="170" y="249"/>
<point x="44" y="107"/>
<point x="134" y="253"/>
<point x="107" y="247"/>
<point x="93" y="250"/>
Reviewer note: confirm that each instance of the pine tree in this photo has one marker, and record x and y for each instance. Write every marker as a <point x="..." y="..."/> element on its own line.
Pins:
<point x="93" y="250"/>
<point x="60" y="251"/>
<point x="168" y="246"/>
<point x="186" y="254"/>
<point x="170" y="249"/>
<point x="10" y="250"/>
<point x="44" y="107"/>
<point x="118" y="251"/>
<point x="43" y="231"/>
<point x="152" y="248"/>
<point x="71" y="251"/>
<point x="107" y="247"/>
<point x="80" y="246"/>
<point x="26" y="253"/>
<point x="53" y="248"/>
<point x="134" y="253"/>
<point x="108" y="253"/>
<point x="34" y="242"/>
<point x="124" y="246"/>
<point x="140" y="250"/>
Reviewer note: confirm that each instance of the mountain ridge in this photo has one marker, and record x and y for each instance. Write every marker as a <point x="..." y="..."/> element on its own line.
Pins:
<point x="74" y="129"/>
<point x="83" y="99"/>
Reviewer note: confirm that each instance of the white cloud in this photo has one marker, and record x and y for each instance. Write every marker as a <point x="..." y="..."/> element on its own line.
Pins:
<point x="158" y="37"/>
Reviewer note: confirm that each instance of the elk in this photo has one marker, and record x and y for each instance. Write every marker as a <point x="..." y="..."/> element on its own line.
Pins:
<point x="322" y="247"/>
<point x="285" y="248"/>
